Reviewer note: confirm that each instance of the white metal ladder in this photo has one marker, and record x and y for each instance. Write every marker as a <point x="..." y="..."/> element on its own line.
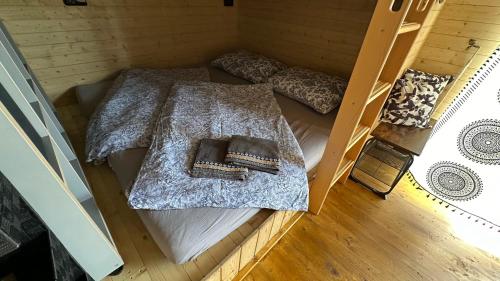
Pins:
<point x="38" y="159"/>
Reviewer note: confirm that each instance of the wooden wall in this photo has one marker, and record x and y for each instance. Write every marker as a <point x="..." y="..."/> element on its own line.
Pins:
<point x="444" y="50"/>
<point x="426" y="28"/>
<point x="67" y="46"/>
<point x="321" y="34"/>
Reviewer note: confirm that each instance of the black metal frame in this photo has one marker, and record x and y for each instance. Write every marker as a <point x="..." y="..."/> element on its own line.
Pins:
<point x="402" y="171"/>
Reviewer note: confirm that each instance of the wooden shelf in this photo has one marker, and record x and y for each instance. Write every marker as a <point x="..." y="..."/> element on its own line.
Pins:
<point x="360" y="132"/>
<point x="379" y="89"/>
<point x="409" y="27"/>
<point x="344" y="166"/>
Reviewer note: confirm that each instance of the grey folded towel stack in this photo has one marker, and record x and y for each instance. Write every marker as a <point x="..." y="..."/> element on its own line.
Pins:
<point x="254" y="153"/>
<point x="209" y="162"/>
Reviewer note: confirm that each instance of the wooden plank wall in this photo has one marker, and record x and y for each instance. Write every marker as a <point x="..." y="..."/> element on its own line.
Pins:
<point x="67" y="46"/>
<point x="254" y="247"/>
<point x="321" y="34"/>
<point x="444" y="50"/>
<point x="426" y="28"/>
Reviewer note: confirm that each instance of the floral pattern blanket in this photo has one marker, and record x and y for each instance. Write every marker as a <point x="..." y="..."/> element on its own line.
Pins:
<point x="127" y="114"/>
<point x="198" y="110"/>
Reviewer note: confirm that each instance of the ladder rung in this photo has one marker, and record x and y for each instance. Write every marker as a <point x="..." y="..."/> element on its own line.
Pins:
<point x="409" y="27"/>
<point x="380" y="88"/>
<point x="360" y="132"/>
<point x="344" y="166"/>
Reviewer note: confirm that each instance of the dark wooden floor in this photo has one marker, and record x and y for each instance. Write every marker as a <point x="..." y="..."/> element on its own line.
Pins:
<point x="360" y="237"/>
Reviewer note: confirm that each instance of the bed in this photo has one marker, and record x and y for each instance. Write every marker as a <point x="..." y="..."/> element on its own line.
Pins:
<point x="184" y="234"/>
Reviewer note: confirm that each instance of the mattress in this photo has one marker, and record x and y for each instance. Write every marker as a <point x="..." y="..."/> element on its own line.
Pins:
<point x="184" y="234"/>
<point x="180" y="234"/>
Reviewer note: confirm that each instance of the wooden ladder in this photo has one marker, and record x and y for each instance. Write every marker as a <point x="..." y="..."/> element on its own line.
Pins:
<point x="389" y="38"/>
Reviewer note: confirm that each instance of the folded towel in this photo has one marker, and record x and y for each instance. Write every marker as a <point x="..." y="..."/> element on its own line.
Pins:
<point x="209" y="162"/>
<point x="254" y="153"/>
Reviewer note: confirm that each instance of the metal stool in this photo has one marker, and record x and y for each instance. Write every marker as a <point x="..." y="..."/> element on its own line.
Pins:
<point x="381" y="162"/>
<point x="388" y="155"/>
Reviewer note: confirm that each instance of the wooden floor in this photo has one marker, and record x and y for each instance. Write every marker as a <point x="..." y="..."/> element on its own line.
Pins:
<point x="360" y="237"/>
<point x="356" y="237"/>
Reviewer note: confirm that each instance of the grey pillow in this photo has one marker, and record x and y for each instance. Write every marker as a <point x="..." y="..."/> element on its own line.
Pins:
<point x="413" y="97"/>
<point x="318" y="90"/>
<point x="90" y="95"/>
<point x="252" y="67"/>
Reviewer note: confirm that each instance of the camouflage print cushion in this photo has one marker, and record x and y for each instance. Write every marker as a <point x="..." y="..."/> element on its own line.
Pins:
<point x="318" y="90"/>
<point x="17" y="220"/>
<point x="249" y="66"/>
<point x="413" y="98"/>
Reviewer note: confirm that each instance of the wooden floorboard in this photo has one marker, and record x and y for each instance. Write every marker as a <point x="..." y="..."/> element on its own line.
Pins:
<point x="358" y="236"/>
